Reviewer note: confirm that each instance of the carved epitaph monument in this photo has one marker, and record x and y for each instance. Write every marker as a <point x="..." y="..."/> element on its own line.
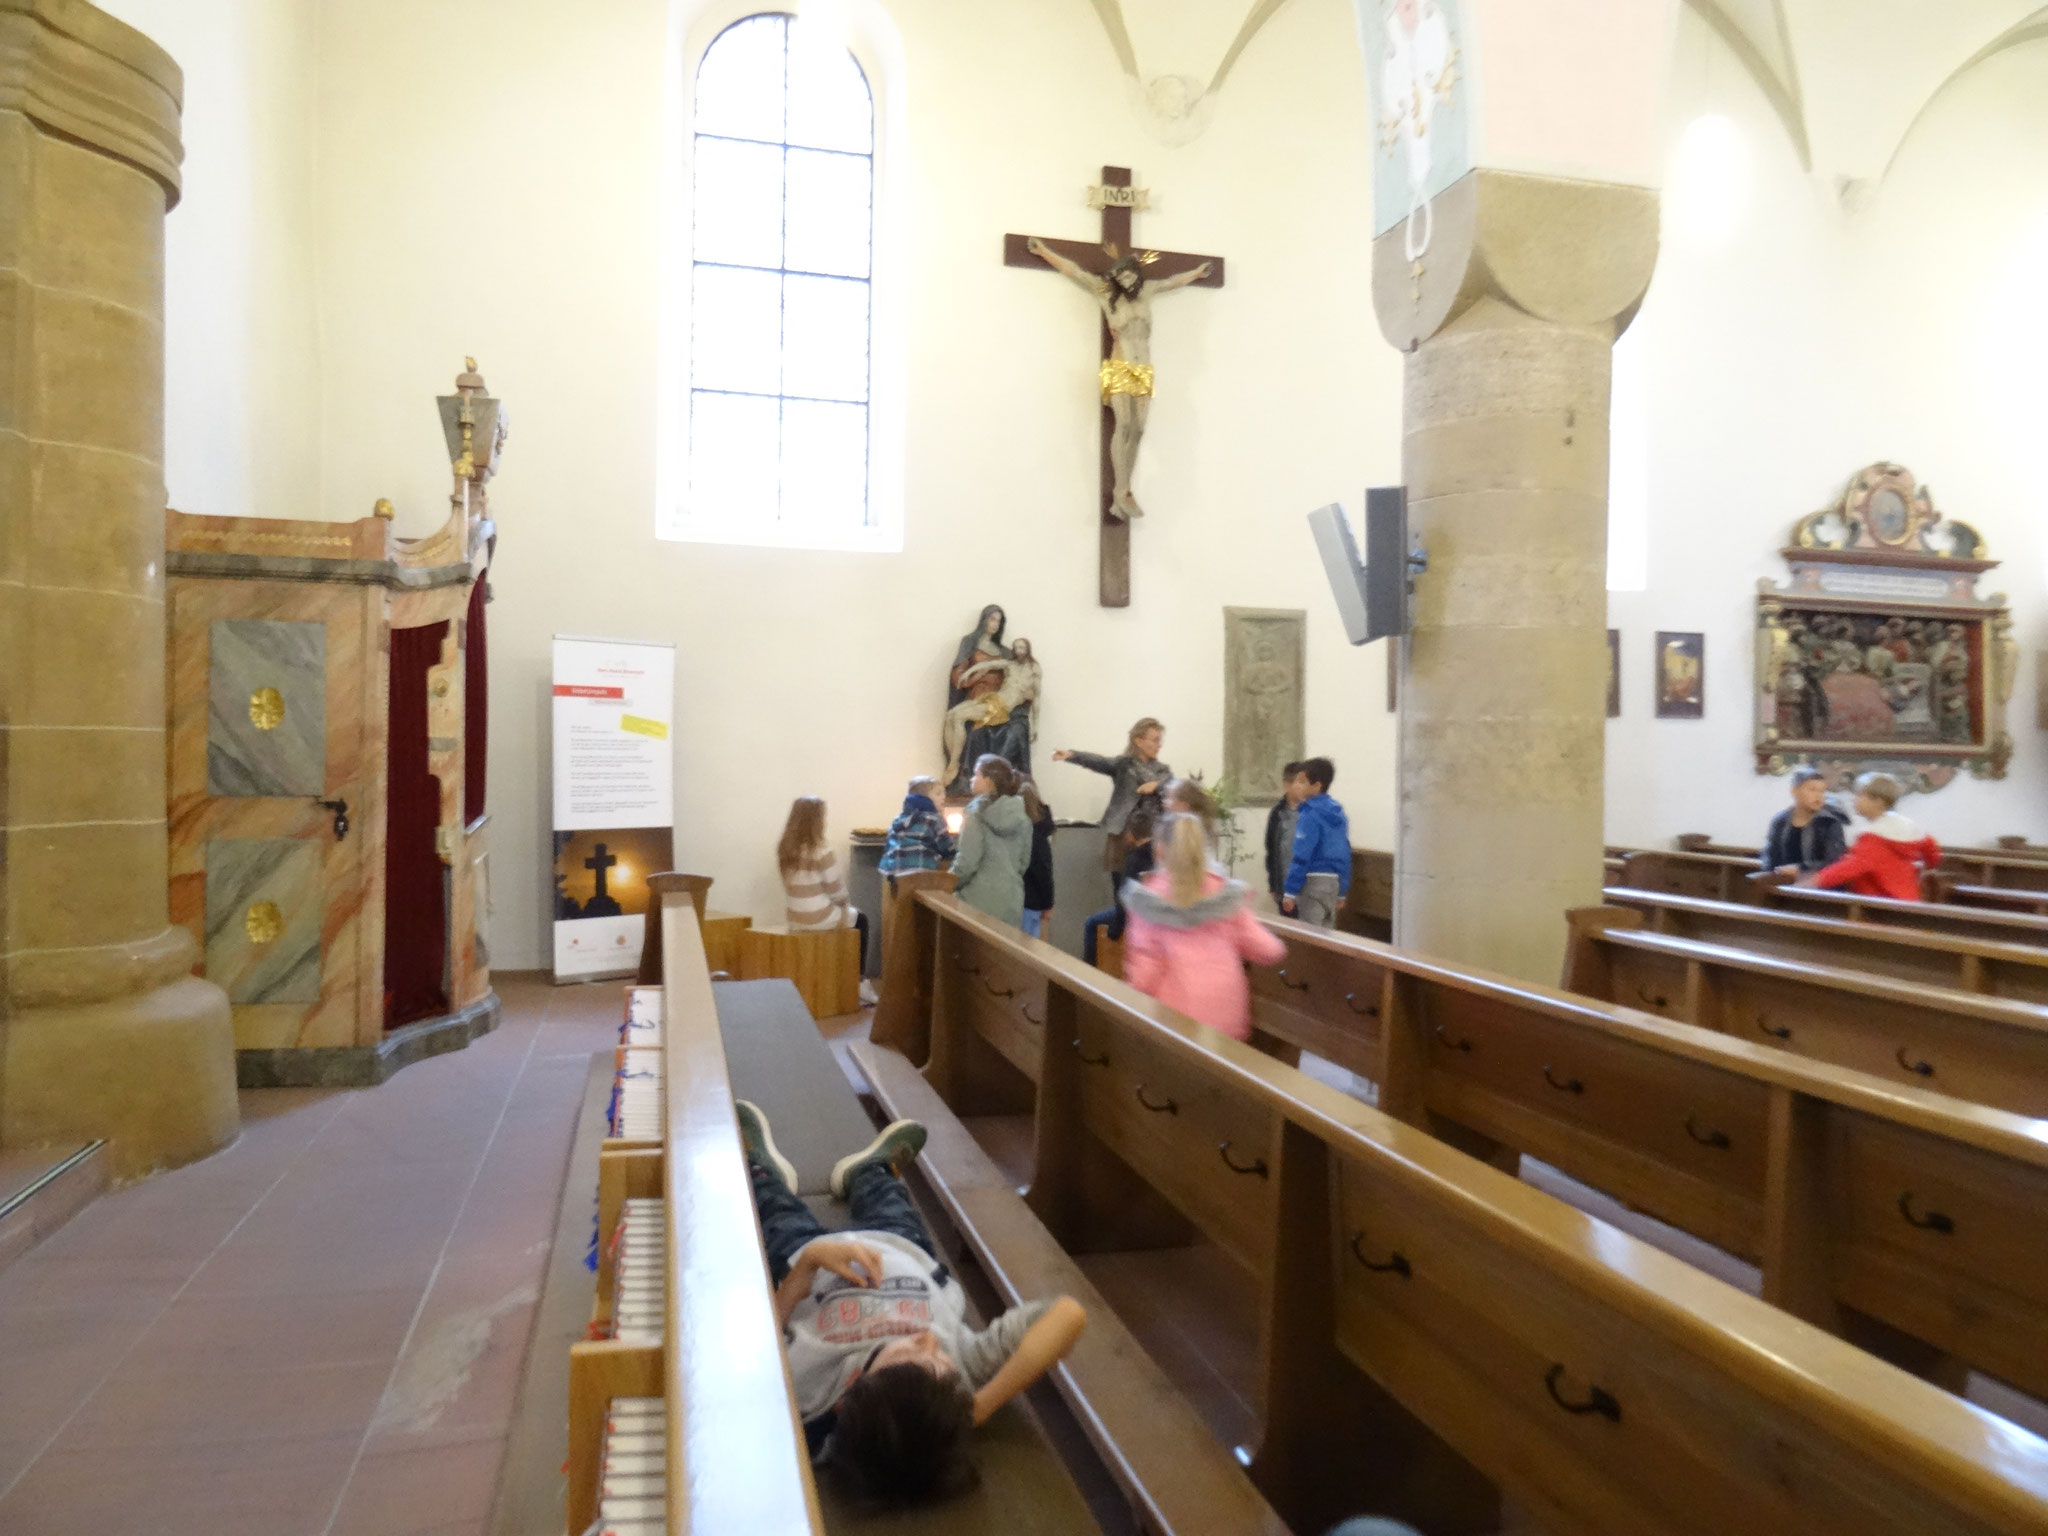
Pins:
<point x="1126" y="382"/>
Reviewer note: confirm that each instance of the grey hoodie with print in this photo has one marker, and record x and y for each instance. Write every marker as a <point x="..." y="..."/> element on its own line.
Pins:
<point x="995" y="850"/>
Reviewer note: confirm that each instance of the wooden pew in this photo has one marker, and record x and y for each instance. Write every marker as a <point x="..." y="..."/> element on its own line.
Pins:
<point x="1369" y="909"/>
<point x="736" y="1456"/>
<point x="1419" y="1309"/>
<point x="1703" y="842"/>
<point x="1989" y="1050"/>
<point x="1698" y="1129"/>
<point x="1940" y="917"/>
<point x="1933" y="959"/>
<point x="1715" y="876"/>
<point x="1175" y="1474"/>
<point x="1997" y="868"/>
<point x="1943" y="886"/>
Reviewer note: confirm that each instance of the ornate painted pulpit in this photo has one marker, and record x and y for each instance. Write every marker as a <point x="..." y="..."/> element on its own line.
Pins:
<point x="327" y="797"/>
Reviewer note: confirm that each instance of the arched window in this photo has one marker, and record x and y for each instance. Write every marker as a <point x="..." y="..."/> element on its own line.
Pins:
<point x="781" y="309"/>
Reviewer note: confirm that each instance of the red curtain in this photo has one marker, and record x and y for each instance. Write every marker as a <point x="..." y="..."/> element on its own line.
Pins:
<point x="476" y="700"/>
<point x="415" y="879"/>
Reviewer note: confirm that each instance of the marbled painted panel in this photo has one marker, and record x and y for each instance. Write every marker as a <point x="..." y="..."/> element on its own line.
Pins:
<point x="282" y="752"/>
<point x="263" y="918"/>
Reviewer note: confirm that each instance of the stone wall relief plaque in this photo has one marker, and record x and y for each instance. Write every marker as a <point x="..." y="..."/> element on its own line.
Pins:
<point x="1265" y="674"/>
<point x="266" y="727"/>
<point x="1878" y="652"/>
<point x="263" y="908"/>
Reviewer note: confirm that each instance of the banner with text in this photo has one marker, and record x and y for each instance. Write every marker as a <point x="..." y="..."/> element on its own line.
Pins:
<point x="614" y="798"/>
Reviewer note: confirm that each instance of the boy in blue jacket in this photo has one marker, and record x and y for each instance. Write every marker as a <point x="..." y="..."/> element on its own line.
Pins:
<point x="918" y="838"/>
<point x="1319" y="877"/>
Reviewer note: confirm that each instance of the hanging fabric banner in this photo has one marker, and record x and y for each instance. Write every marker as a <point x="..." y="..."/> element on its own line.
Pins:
<point x="614" y="798"/>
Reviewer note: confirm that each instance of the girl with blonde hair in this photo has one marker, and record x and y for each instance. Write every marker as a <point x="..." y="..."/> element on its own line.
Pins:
<point x="1190" y="930"/>
<point x="814" y="895"/>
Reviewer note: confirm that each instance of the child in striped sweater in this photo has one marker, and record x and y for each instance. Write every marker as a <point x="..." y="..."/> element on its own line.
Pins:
<point x="814" y="891"/>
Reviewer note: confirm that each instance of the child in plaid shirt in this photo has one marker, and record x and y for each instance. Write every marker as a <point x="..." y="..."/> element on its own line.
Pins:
<point x="918" y="838"/>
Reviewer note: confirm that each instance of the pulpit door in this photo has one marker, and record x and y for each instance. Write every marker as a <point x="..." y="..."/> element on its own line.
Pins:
<point x="416" y="876"/>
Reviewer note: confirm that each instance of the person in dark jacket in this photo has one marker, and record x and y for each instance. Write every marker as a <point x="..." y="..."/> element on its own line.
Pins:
<point x="1137" y="865"/>
<point x="1319" y="874"/>
<point x="1280" y="829"/>
<point x="1809" y="834"/>
<point x="1134" y="777"/>
<point x="1038" y="873"/>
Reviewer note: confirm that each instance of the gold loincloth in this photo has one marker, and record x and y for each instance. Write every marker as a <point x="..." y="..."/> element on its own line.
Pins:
<point x="994" y="712"/>
<point x="1120" y="376"/>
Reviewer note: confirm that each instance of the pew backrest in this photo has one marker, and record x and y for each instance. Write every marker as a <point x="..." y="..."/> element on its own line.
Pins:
<point x="1605" y="1383"/>
<point x="1928" y="956"/>
<point x="1943" y="917"/>
<point x="1718" y="877"/>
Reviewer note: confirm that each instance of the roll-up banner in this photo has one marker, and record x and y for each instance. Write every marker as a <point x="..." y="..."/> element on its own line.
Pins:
<point x="614" y="798"/>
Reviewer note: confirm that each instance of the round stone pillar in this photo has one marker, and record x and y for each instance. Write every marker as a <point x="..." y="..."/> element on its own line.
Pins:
<point x="1509" y="321"/>
<point x="104" y="1031"/>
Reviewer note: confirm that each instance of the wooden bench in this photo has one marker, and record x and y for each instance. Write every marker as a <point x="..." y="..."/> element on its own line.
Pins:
<point x="1711" y="1134"/>
<point x="1989" y="1050"/>
<point x="1715" y="876"/>
<point x="736" y="1459"/>
<point x="1931" y="958"/>
<point x="1173" y="1471"/>
<point x="1941" y="917"/>
<point x="1429" y="1326"/>
<point x="825" y="965"/>
<point x="1941" y="885"/>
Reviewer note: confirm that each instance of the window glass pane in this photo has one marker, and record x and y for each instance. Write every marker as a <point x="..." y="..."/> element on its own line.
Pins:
<point x="828" y="212"/>
<point x="736" y="330"/>
<point x="829" y="105"/>
<point x="824" y="466"/>
<point x="739" y="84"/>
<point x="733" y="459"/>
<point x="825" y="338"/>
<point x="738" y="203"/>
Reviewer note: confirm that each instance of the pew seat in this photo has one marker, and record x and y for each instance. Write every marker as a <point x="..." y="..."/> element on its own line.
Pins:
<point x="825" y="965"/>
<point x="1941" y="917"/>
<point x="1176" y="1475"/>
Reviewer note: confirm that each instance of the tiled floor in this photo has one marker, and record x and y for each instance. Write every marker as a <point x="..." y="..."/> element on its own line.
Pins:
<point x="318" y="1332"/>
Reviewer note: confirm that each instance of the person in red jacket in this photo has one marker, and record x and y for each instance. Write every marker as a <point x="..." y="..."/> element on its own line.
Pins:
<point x="1889" y="853"/>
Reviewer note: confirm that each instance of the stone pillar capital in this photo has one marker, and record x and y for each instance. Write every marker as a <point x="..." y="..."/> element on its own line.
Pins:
<point x="1575" y="253"/>
<point x="75" y="70"/>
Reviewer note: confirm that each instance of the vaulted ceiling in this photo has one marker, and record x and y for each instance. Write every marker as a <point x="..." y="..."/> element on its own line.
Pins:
<point x="1850" y="78"/>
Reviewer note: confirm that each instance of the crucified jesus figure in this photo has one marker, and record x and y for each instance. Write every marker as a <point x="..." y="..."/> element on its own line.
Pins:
<point x="1125" y="298"/>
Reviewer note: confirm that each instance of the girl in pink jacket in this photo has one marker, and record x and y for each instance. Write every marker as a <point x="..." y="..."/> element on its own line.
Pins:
<point x="1190" y="931"/>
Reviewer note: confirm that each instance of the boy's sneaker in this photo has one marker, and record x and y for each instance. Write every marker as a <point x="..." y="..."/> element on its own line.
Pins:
<point x="868" y="999"/>
<point x="899" y="1141"/>
<point x="760" y="1141"/>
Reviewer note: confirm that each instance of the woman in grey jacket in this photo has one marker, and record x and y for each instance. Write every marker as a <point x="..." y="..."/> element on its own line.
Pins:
<point x="1138" y="771"/>
<point x="995" y="844"/>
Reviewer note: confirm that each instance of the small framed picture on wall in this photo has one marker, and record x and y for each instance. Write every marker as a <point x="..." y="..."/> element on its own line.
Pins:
<point x="1614" y="674"/>
<point x="1681" y="675"/>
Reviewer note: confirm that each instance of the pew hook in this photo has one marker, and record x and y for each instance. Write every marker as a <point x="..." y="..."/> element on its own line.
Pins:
<point x="1460" y="1044"/>
<point x="1598" y="1400"/>
<point x="1091" y="1061"/>
<point x="1168" y="1108"/>
<point x="1918" y="1068"/>
<point x="1933" y="1221"/>
<point x="1257" y="1164"/>
<point x="1654" y="999"/>
<point x="1292" y="986"/>
<point x="1775" y="1031"/>
<point x="1397" y="1262"/>
<point x="1369" y="1011"/>
<point x="966" y="969"/>
<point x="1569" y="1085"/>
<point x="1706" y="1138"/>
<point x="1025" y="1009"/>
<point x="990" y="988"/>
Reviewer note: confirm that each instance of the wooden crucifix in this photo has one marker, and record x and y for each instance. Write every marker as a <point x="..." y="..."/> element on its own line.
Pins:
<point x="1123" y="280"/>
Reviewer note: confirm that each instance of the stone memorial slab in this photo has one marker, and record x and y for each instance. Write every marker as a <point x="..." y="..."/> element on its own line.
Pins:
<point x="1265" y="673"/>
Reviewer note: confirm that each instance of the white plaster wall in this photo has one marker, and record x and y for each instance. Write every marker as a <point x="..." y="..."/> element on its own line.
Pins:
<point x="241" y="360"/>
<point x="1807" y="344"/>
<point x="493" y="187"/>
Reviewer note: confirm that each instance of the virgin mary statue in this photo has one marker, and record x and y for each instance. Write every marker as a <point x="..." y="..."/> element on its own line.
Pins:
<point x="1008" y="736"/>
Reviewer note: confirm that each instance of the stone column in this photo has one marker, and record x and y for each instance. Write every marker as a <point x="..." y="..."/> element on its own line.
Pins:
<point x="1509" y="321"/>
<point x="104" y="1030"/>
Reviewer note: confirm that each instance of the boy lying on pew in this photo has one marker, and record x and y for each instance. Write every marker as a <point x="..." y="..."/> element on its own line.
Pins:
<point x="889" y="1378"/>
